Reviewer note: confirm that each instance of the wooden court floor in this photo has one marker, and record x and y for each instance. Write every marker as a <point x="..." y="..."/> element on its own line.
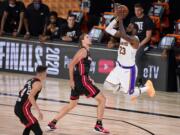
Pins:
<point x="157" y="116"/>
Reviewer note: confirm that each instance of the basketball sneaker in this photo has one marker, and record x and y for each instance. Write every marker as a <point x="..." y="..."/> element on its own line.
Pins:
<point x="51" y="126"/>
<point x="100" y="129"/>
<point x="151" y="91"/>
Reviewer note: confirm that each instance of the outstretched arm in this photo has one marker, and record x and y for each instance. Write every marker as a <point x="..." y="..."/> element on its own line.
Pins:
<point x="121" y="33"/>
<point x="110" y="28"/>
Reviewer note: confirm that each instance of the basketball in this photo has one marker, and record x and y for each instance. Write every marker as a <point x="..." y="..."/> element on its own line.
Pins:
<point x="122" y="11"/>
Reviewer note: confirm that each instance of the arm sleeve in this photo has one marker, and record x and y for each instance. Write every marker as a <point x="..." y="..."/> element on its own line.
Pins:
<point x="110" y="28"/>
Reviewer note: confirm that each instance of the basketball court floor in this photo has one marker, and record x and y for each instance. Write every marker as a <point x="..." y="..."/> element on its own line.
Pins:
<point x="157" y="116"/>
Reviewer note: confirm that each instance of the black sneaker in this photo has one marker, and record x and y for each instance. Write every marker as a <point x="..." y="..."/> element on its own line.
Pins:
<point x="100" y="129"/>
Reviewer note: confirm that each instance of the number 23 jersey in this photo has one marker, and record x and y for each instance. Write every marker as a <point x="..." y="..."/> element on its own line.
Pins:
<point x="126" y="53"/>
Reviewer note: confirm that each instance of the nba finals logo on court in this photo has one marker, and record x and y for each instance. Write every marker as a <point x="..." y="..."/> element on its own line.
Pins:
<point x="105" y="66"/>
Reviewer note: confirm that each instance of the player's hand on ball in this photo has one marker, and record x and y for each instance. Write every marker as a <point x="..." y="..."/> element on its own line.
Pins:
<point x="121" y="11"/>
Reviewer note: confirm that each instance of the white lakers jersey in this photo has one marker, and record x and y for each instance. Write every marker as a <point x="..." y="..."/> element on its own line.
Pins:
<point x="126" y="53"/>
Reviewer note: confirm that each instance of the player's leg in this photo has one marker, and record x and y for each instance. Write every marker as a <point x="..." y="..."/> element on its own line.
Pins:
<point x="109" y="86"/>
<point x="128" y="82"/>
<point x="74" y="97"/>
<point x="66" y="109"/>
<point x="112" y="81"/>
<point x="91" y="90"/>
<point x="100" y="98"/>
<point x="124" y="80"/>
<point x="148" y="88"/>
<point x="27" y="120"/>
<point x="63" y="111"/>
<point x="133" y="91"/>
<point x="36" y="129"/>
<point x="26" y="131"/>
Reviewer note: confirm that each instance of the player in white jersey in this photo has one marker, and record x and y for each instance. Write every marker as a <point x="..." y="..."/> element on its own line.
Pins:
<point x="123" y="76"/>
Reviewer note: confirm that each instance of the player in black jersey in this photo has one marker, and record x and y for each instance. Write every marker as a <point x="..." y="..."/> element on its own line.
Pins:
<point x="27" y="98"/>
<point x="82" y="84"/>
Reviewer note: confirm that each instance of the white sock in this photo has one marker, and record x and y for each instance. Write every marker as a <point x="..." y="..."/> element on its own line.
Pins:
<point x="143" y="89"/>
<point x="138" y="91"/>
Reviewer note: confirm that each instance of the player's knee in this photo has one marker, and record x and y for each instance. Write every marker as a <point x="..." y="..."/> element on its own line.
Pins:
<point x="103" y="99"/>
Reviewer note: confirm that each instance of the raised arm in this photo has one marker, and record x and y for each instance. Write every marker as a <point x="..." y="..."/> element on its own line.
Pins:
<point x="110" y="29"/>
<point x="122" y="33"/>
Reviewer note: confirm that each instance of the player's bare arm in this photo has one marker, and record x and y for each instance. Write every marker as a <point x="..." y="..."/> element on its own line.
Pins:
<point x="36" y="87"/>
<point x="82" y="53"/>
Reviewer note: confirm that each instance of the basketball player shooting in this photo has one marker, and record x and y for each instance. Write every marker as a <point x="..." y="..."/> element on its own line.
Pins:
<point x="123" y="76"/>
